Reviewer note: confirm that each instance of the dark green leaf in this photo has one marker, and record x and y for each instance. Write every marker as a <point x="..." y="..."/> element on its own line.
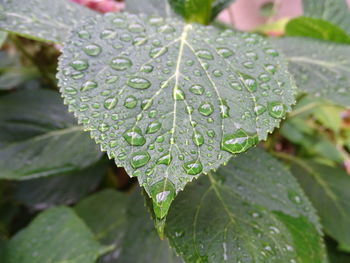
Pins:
<point x="150" y="7"/>
<point x="335" y="255"/>
<point x="13" y="77"/>
<point x="56" y="236"/>
<point x="320" y="68"/>
<point x="42" y="19"/>
<point x="39" y="138"/>
<point x="63" y="189"/>
<point x="328" y="188"/>
<point x="170" y="100"/>
<point x="334" y="11"/>
<point x="251" y="210"/>
<point x="316" y="28"/>
<point x="122" y="220"/>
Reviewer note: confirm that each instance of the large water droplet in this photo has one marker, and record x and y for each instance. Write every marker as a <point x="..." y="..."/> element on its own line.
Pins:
<point x="134" y="136"/>
<point x="140" y="159"/>
<point x="138" y="83"/>
<point x="158" y="51"/>
<point x="198" y="138"/>
<point x="206" y="108"/>
<point x="224" y="109"/>
<point x="80" y="64"/>
<point x="165" y="159"/>
<point x="153" y="127"/>
<point x="178" y="94"/>
<point x="193" y="167"/>
<point x="136" y="28"/>
<point x="130" y="102"/>
<point x="162" y="193"/>
<point x="204" y="54"/>
<point x="276" y="109"/>
<point x="225" y="52"/>
<point x="110" y="103"/>
<point x="197" y="89"/>
<point x="92" y="50"/>
<point x="259" y="109"/>
<point x="88" y="86"/>
<point x="146" y="104"/>
<point x="238" y="142"/>
<point x="120" y="63"/>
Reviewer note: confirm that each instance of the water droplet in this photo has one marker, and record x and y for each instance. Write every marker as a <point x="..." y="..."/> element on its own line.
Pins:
<point x="158" y="51"/>
<point x="134" y="136"/>
<point x="276" y="109"/>
<point x="156" y="20"/>
<point x="84" y="34"/>
<point x="259" y="109"/>
<point x="250" y="83"/>
<point x="88" y="86"/>
<point x="198" y="138"/>
<point x="103" y="127"/>
<point x="211" y="133"/>
<point x="70" y="90"/>
<point x="120" y="63"/>
<point x="165" y="159"/>
<point x="271" y="52"/>
<point x="270" y="68"/>
<point x="130" y="102"/>
<point x="146" y="104"/>
<point x="178" y="94"/>
<point x="119" y="22"/>
<point x="79" y="64"/>
<point x="248" y="64"/>
<point x="217" y="73"/>
<point x="193" y="167"/>
<point x="110" y="103"/>
<point x="206" y="108"/>
<point x="153" y="127"/>
<point x="92" y="50"/>
<point x="147" y="68"/>
<point x="136" y="28"/>
<point x="197" y="89"/>
<point x="294" y="197"/>
<point x="138" y="83"/>
<point x="162" y="193"/>
<point x="140" y="159"/>
<point x="264" y="77"/>
<point x="225" y="52"/>
<point x="204" y="54"/>
<point x="224" y="109"/>
<point x="238" y="142"/>
<point x="108" y="34"/>
<point x="236" y="86"/>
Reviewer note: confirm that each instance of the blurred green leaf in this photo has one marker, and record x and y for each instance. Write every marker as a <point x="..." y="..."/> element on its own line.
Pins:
<point x="41" y="19"/>
<point x="13" y="77"/>
<point x="40" y="138"/>
<point x="328" y="188"/>
<point x="334" y="11"/>
<point x="336" y="256"/>
<point x="56" y="235"/>
<point x="329" y="116"/>
<point x="122" y="220"/>
<point x="251" y="210"/>
<point x="316" y="28"/>
<point x="321" y="68"/>
<point x="3" y="37"/>
<point x="150" y="7"/>
<point x="64" y="189"/>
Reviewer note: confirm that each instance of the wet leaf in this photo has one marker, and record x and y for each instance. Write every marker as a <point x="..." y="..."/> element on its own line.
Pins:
<point x="244" y="213"/>
<point x="320" y="68"/>
<point x="56" y="235"/>
<point x="328" y="189"/>
<point x="123" y="221"/>
<point x="3" y="36"/>
<point x="40" y="138"/>
<point x="316" y="28"/>
<point x="334" y="11"/>
<point x="169" y="100"/>
<point x="41" y="19"/>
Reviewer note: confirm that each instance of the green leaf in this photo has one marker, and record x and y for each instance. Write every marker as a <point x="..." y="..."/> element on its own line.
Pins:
<point x="320" y="68"/>
<point x="39" y="138"/>
<point x="150" y="7"/>
<point x="169" y="100"/>
<point x="199" y="11"/>
<point x="63" y="189"/>
<point x="219" y="5"/>
<point x="335" y="255"/>
<point x="41" y="19"/>
<point x="251" y="210"/>
<point x="334" y="11"/>
<point x="328" y="189"/>
<point x="316" y="28"/>
<point x="3" y="37"/>
<point x="56" y="236"/>
<point x="122" y="220"/>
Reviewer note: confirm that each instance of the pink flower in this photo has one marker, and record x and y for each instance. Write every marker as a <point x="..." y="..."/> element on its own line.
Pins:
<point x="102" y="6"/>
